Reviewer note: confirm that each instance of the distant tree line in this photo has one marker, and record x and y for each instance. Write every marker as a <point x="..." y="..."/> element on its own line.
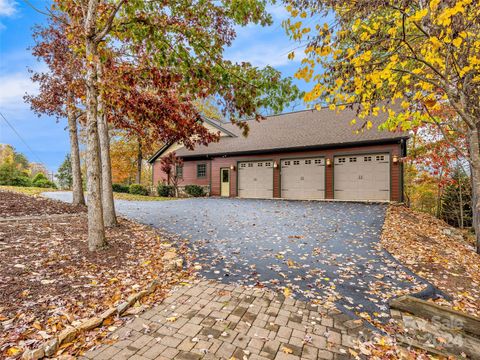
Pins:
<point x="16" y="170"/>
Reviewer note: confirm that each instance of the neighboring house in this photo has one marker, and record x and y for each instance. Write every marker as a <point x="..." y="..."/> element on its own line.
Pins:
<point x="300" y="155"/>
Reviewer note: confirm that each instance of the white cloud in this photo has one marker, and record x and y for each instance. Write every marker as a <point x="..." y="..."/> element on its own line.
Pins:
<point x="13" y="88"/>
<point x="7" y="7"/>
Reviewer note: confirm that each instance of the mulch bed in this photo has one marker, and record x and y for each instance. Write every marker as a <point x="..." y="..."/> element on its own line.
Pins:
<point x="436" y="252"/>
<point x="50" y="280"/>
<point x="14" y="204"/>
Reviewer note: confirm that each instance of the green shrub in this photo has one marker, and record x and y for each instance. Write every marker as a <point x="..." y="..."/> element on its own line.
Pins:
<point x="165" y="190"/>
<point x="20" y="181"/>
<point x="120" y="188"/>
<point x="44" y="183"/>
<point x="137" y="189"/>
<point x="39" y="176"/>
<point x="194" y="190"/>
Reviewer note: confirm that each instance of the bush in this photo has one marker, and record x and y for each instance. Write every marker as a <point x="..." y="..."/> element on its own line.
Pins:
<point x="44" y="183"/>
<point x="120" y="188"/>
<point x="165" y="190"/>
<point x="137" y="189"/>
<point x="21" y="181"/>
<point x="38" y="177"/>
<point x="194" y="190"/>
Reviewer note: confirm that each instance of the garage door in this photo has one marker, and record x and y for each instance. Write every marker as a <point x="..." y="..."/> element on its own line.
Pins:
<point x="303" y="178"/>
<point x="255" y="179"/>
<point x="362" y="177"/>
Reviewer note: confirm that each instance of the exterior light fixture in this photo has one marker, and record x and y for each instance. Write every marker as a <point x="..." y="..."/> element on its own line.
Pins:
<point x="329" y="162"/>
<point x="275" y="164"/>
<point x="232" y="167"/>
<point x="395" y="159"/>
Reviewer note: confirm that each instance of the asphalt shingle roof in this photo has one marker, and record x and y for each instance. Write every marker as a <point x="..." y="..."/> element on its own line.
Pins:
<point x="308" y="128"/>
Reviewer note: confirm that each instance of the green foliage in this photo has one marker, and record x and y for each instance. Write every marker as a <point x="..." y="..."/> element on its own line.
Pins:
<point x="44" y="183"/>
<point x="64" y="176"/>
<point x="165" y="190"/>
<point x="10" y="175"/>
<point x="138" y="189"/>
<point x="194" y="190"/>
<point x="120" y="188"/>
<point x="21" y="181"/>
<point x="38" y="177"/>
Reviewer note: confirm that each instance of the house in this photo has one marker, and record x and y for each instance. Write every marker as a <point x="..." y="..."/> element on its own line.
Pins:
<point x="306" y="154"/>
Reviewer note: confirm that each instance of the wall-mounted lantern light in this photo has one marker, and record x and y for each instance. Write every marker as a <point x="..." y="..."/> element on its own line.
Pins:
<point x="275" y="164"/>
<point x="395" y="159"/>
<point x="329" y="162"/>
<point x="232" y="167"/>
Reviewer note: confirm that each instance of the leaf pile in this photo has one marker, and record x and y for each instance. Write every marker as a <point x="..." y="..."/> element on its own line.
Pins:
<point x="435" y="251"/>
<point x="15" y="204"/>
<point x="50" y="280"/>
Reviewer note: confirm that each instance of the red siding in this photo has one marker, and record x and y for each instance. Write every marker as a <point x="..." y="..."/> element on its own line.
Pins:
<point x="190" y="173"/>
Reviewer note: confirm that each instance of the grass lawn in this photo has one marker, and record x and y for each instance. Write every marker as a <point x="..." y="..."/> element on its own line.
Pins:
<point x="132" y="197"/>
<point x="26" y="190"/>
<point x="35" y="191"/>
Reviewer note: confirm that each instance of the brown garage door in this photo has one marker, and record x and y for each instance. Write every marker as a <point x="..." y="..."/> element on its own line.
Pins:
<point x="362" y="177"/>
<point x="255" y="179"/>
<point x="303" y="178"/>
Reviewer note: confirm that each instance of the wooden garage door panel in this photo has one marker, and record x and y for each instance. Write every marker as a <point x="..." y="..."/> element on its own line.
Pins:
<point x="362" y="177"/>
<point x="303" y="178"/>
<point x="255" y="179"/>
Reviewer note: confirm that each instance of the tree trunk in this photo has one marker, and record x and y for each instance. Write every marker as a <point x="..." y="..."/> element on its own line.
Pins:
<point x="96" y="229"/>
<point x="474" y="141"/>
<point x="109" y="216"/>
<point x="77" y="184"/>
<point x="139" y="162"/>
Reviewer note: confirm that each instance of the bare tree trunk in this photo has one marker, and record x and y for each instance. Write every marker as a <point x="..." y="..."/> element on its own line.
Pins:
<point x="109" y="216"/>
<point x="474" y="141"/>
<point x="77" y="185"/>
<point x="139" y="162"/>
<point x="96" y="229"/>
<point x="461" y="195"/>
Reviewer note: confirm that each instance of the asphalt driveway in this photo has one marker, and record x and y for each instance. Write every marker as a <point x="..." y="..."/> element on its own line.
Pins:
<point x="323" y="251"/>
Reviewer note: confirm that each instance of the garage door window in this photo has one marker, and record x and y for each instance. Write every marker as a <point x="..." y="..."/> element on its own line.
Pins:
<point x="201" y="171"/>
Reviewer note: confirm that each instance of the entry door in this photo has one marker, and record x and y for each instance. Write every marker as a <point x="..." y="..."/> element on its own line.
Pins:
<point x="362" y="177"/>
<point x="255" y="179"/>
<point x="225" y="182"/>
<point x="303" y="178"/>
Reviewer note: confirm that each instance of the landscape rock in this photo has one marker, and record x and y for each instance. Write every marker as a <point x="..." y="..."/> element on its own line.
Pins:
<point x="51" y="347"/>
<point x="169" y="255"/>
<point x="67" y="335"/>
<point x="90" y="324"/>
<point x="34" y="354"/>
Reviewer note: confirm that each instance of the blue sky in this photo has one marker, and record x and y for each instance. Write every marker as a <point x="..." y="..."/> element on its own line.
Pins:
<point x="48" y="138"/>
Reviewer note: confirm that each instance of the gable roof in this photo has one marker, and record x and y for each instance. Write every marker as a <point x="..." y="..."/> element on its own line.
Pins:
<point x="296" y="130"/>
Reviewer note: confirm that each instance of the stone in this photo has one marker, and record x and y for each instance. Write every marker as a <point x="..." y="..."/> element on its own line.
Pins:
<point x="67" y="335"/>
<point x="122" y="307"/>
<point x="169" y="255"/>
<point x="107" y="313"/>
<point x="90" y="324"/>
<point x="34" y="354"/>
<point x="51" y="347"/>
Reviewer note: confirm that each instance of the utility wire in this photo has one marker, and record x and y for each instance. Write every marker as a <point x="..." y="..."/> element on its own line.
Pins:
<point x="21" y="138"/>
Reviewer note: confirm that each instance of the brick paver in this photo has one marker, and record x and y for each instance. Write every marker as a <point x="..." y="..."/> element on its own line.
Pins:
<point x="218" y="321"/>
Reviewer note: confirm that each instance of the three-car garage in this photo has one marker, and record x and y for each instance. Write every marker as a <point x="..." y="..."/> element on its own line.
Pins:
<point x="355" y="177"/>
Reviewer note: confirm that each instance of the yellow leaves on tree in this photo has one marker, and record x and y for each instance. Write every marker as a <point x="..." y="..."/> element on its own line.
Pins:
<point x="412" y="53"/>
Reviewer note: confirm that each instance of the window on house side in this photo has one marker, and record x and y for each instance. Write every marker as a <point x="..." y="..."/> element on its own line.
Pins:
<point x="179" y="171"/>
<point x="201" y="170"/>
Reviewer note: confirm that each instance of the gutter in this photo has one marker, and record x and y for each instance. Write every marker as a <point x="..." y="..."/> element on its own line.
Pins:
<point x="297" y="148"/>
